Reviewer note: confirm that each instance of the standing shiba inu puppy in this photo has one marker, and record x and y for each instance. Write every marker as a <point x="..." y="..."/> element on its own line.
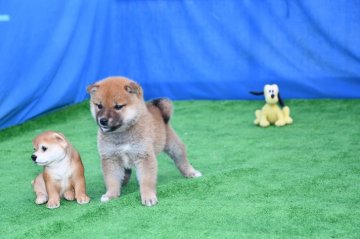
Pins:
<point x="63" y="171"/>
<point x="131" y="133"/>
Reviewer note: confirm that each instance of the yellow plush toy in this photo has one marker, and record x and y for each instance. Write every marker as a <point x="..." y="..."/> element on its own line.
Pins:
<point x="271" y="113"/>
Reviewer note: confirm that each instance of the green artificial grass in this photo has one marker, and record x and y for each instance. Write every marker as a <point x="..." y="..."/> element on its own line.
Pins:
<point x="297" y="181"/>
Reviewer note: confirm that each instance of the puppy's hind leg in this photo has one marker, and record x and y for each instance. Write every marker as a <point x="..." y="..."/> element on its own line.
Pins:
<point x="40" y="189"/>
<point x="175" y="148"/>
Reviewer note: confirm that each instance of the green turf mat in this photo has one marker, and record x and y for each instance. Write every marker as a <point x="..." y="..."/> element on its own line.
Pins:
<point x="297" y="181"/>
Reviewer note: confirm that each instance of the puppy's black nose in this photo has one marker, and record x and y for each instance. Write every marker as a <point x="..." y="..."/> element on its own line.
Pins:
<point x="104" y="121"/>
<point x="33" y="157"/>
<point x="272" y="96"/>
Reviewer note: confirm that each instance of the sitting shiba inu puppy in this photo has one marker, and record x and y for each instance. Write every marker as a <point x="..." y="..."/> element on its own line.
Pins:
<point x="63" y="174"/>
<point x="131" y="133"/>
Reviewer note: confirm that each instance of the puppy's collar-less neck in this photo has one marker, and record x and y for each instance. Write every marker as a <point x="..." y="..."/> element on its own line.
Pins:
<point x="60" y="163"/>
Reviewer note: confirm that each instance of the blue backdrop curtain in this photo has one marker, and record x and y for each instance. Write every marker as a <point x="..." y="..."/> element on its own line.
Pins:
<point x="200" y="49"/>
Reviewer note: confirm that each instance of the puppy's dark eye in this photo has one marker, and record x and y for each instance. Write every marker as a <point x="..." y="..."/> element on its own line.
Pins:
<point x="99" y="106"/>
<point x="43" y="148"/>
<point x="118" y="107"/>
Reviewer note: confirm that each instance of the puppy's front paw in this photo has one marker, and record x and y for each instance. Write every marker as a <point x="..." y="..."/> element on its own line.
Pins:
<point x="149" y="199"/>
<point x="53" y="203"/>
<point x="107" y="197"/>
<point x="69" y="195"/>
<point x="41" y="199"/>
<point x="83" y="199"/>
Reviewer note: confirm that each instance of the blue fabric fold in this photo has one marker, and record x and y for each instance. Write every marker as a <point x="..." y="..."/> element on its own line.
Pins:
<point x="184" y="50"/>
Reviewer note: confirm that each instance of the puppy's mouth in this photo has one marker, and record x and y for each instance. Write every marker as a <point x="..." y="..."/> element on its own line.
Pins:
<point x="106" y="129"/>
<point x="108" y="124"/>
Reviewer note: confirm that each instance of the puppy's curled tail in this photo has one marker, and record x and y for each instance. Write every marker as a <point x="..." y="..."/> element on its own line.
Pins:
<point x="165" y="107"/>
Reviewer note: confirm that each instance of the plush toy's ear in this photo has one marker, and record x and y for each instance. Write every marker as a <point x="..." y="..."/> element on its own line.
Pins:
<point x="281" y="102"/>
<point x="257" y="92"/>
<point x="275" y="87"/>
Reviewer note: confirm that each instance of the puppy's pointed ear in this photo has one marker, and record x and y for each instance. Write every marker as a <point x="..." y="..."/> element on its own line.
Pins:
<point x="92" y="88"/>
<point x="134" y="88"/>
<point x="257" y="92"/>
<point x="61" y="139"/>
<point x="281" y="102"/>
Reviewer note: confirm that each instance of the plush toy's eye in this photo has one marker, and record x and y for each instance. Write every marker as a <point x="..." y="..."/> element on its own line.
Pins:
<point x="99" y="106"/>
<point x="43" y="148"/>
<point x="118" y="107"/>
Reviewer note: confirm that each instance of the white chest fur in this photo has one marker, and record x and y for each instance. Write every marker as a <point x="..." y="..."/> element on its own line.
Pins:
<point x="61" y="172"/>
<point x="120" y="152"/>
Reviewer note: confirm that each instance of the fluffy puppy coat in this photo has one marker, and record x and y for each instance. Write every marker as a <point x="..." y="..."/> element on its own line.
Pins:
<point x="131" y="133"/>
<point x="63" y="174"/>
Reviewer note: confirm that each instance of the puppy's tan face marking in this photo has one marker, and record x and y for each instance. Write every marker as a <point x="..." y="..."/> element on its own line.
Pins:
<point x="114" y="102"/>
<point x="271" y="94"/>
<point x="49" y="147"/>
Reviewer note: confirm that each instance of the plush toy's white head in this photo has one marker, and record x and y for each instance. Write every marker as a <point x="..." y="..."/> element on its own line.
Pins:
<point x="271" y="93"/>
<point x="49" y="147"/>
